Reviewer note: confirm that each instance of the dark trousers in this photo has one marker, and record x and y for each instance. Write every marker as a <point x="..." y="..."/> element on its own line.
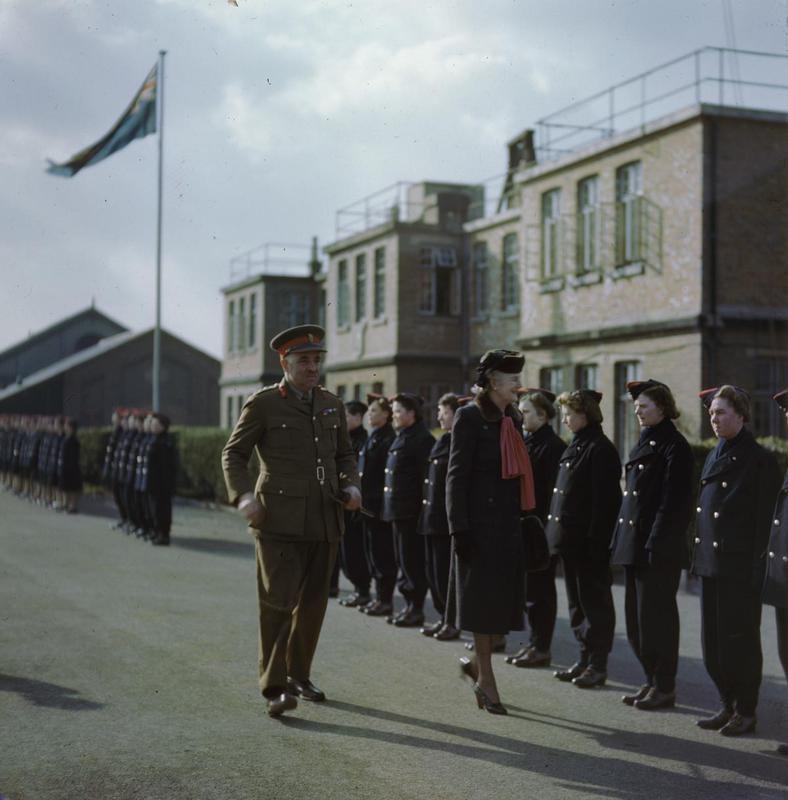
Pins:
<point x="352" y="557"/>
<point x="781" y="618"/>
<point x="731" y="639"/>
<point x="437" y="558"/>
<point x="591" y="611"/>
<point x="379" y="548"/>
<point x="159" y="513"/>
<point x="409" y="553"/>
<point x="652" y="618"/>
<point x="119" y="493"/>
<point x="292" y="594"/>
<point x="541" y="606"/>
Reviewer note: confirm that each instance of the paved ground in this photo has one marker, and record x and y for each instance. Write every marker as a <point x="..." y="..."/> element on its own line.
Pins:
<point x="128" y="671"/>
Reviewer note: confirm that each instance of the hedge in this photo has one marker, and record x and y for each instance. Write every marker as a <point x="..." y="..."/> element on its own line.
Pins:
<point x="200" y="468"/>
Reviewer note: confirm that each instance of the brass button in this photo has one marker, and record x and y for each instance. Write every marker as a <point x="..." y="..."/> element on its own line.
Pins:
<point x="626" y="493"/>
<point x="771" y="554"/>
<point x="620" y="520"/>
<point x="716" y="515"/>
<point x="698" y="509"/>
<point x="725" y="484"/>
<point x="777" y="522"/>
<point x="653" y="443"/>
<point x="697" y="540"/>
<point x="715" y="545"/>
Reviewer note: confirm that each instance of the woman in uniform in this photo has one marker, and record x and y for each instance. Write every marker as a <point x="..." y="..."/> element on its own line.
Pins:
<point x="649" y="541"/>
<point x="489" y="486"/>
<point x="737" y="490"/>
<point x="586" y="499"/>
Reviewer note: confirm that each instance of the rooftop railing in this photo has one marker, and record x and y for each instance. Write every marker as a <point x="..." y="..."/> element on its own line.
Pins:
<point x="272" y="258"/>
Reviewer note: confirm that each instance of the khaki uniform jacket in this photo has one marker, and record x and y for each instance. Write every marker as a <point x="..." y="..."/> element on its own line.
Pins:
<point x="306" y="461"/>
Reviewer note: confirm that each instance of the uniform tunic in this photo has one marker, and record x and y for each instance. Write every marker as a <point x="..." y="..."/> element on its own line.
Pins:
<point x="649" y="540"/>
<point x="738" y="485"/>
<point x="586" y="499"/>
<point x="305" y="460"/>
<point x="490" y="582"/>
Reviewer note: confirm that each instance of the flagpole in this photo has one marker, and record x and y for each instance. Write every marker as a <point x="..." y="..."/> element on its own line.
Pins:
<point x="157" y="326"/>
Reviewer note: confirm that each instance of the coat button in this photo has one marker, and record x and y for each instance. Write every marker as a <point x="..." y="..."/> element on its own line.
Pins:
<point x="555" y="490"/>
<point x="771" y="554"/>
<point x="549" y="516"/>
<point x="424" y="502"/>
<point x="386" y="470"/>
<point x="716" y="515"/>
<point x="435" y="461"/>
<point x="634" y="493"/>
<point x="697" y="540"/>
<point x="281" y="491"/>
<point x="653" y="443"/>
<point x="698" y="509"/>
<point x="631" y="522"/>
<point x="315" y="438"/>
<point x="715" y="545"/>
<point x="284" y="425"/>
<point x="777" y="522"/>
<point x="626" y="493"/>
<point x="725" y="484"/>
<point x="641" y="466"/>
<point x="785" y="559"/>
<point x="620" y="519"/>
<point x="426" y="480"/>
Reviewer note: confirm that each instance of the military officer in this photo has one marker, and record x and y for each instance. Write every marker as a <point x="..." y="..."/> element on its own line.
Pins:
<point x="775" y="587"/>
<point x="737" y="489"/>
<point x="295" y="509"/>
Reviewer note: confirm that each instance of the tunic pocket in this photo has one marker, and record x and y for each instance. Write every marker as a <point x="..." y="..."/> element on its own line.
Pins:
<point x="284" y="501"/>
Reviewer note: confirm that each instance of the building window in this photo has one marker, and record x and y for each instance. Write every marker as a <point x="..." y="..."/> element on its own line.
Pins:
<point x="510" y="274"/>
<point x="343" y="296"/>
<point x="629" y="191"/>
<point x="766" y="414"/>
<point x="252" y="338"/>
<point x="241" y="323"/>
<point x="380" y="282"/>
<point x="627" y="428"/>
<point x="586" y="376"/>
<point x="321" y="309"/>
<point x="361" y="286"/>
<point x="551" y="243"/>
<point x="587" y="256"/>
<point x="480" y="279"/>
<point x="552" y="379"/>
<point x="357" y="391"/>
<point x="377" y="387"/>
<point x="294" y="309"/>
<point x="230" y="419"/>
<point x="438" y="281"/>
<point x="231" y="326"/>
<point x="341" y="391"/>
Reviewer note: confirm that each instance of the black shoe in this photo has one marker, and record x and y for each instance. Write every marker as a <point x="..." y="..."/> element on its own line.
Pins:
<point x="305" y="690"/>
<point x="533" y="658"/>
<point x="589" y="678"/>
<point x="655" y="700"/>
<point x="782" y="749"/>
<point x="333" y="591"/>
<point x="161" y="541"/>
<point x="567" y="675"/>
<point x="431" y="630"/>
<point x="719" y="720"/>
<point x="377" y="609"/>
<point x="412" y="619"/>
<point x="355" y="600"/>
<point x="629" y="699"/>
<point x="447" y="633"/>
<point x="280" y="703"/>
<point x="738" y="725"/>
<point x="498" y="647"/>
<point x="519" y="654"/>
<point x="483" y="701"/>
<point x="401" y="613"/>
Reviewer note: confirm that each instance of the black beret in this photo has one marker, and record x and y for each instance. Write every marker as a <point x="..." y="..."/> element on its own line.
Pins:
<point x="548" y="395"/>
<point x="781" y="398"/>
<point x="635" y="388"/>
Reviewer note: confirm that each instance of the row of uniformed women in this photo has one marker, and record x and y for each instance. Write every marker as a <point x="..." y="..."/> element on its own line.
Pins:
<point x="39" y="460"/>
<point x="649" y="525"/>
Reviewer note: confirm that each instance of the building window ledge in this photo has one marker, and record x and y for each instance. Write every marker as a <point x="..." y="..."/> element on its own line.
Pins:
<point x="343" y="328"/>
<point x="588" y="278"/>
<point x="628" y="270"/>
<point x="509" y="313"/>
<point x="551" y="285"/>
<point x="380" y="320"/>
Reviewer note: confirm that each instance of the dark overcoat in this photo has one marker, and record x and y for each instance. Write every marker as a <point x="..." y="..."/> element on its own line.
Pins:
<point x="483" y="506"/>
<point x="737" y="490"/>
<point x="586" y="497"/>
<point x="406" y="468"/>
<point x="161" y="465"/>
<point x="371" y="466"/>
<point x="775" y="586"/>
<point x="657" y="505"/>
<point x="306" y="461"/>
<point x="433" y="520"/>
<point x="69" y="470"/>
<point x="545" y="448"/>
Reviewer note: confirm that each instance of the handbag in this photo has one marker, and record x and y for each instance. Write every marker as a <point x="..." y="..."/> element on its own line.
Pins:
<point x="537" y="553"/>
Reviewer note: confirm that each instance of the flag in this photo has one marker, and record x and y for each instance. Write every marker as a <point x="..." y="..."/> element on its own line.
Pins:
<point x="138" y="120"/>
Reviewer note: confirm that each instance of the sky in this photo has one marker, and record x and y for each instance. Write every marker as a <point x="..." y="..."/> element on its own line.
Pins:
<point x="277" y="114"/>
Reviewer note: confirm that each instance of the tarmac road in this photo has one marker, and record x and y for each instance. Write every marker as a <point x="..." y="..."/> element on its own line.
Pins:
<point x="129" y="671"/>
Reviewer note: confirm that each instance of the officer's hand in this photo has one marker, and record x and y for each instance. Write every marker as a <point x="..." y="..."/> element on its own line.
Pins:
<point x="253" y="511"/>
<point x="353" y="498"/>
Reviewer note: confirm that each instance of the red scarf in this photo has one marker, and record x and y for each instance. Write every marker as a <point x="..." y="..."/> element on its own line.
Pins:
<point x="515" y="462"/>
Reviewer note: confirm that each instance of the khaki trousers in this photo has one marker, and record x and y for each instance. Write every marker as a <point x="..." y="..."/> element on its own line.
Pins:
<point x="292" y="593"/>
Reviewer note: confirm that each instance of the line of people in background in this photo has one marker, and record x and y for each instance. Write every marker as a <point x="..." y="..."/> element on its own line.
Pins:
<point x="39" y="460"/>
<point x="140" y="468"/>
<point x="404" y="539"/>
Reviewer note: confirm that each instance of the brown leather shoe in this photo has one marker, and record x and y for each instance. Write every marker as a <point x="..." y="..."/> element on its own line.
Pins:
<point x="738" y="725"/>
<point x="655" y="700"/>
<point x="533" y="658"/>
<point x="630" y="699"/>
<point x="719" y="720"/>
<point x="590" y="678"/>
<point x="280" y="703"/>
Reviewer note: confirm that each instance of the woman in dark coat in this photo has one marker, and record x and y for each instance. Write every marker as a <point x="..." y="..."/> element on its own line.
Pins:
<point x="434" y="524"/>
<point x="585" y="504"/>
<point x="737" y="489"/>
<point x="649" y="541"/>
<point x="545" y="448"/>
<point x="406" y="468"/>
<point x="378" y="541"/>
<point x="489" y="486"/>
<point x="775" y="586"/>
<point x="69" y="470"/>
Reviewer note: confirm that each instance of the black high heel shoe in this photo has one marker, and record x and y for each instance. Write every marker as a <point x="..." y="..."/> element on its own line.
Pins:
<point x="483" y="701"/>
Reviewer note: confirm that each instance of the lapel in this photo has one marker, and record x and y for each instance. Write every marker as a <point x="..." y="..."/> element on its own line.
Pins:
<point x="657" y="437"/>
<point x="731" y="460"/>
